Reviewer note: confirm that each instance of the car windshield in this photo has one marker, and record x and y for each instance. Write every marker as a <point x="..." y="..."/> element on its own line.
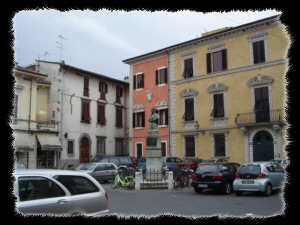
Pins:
<point x="97" y="159"/>
<point x="207" y="169"/>
<point x="249" y="169"/>
<point x="124" y="159"/>
<point x="88" y="166"/>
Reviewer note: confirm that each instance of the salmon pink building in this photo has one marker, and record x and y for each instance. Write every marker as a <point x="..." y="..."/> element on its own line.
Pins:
<point x="148" y="88"/>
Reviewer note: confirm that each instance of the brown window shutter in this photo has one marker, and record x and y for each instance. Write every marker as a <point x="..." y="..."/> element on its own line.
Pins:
<point x="208" y="62"/>
<point x="224" y="59"/>
<point x="134" y="82"/>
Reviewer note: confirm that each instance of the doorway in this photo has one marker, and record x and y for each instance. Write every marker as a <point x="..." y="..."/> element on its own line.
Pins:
<point x="84" y="150"/>
<point x="263" y="146"/>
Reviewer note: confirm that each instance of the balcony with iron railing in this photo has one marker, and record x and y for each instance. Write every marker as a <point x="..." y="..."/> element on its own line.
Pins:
<point x="258" y="117"/>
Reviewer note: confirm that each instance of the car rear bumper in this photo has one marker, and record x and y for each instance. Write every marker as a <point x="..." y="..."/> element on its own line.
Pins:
<point x="207" y="185"/>
<point x="241" y="185"/>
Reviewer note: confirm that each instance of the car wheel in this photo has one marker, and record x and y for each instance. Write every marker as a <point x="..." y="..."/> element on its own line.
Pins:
<point x="268" y="190"/>
<point x="226" y="188"/>
<point x="198" y="190"/>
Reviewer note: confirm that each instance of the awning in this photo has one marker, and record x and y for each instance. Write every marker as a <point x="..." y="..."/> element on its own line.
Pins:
<point x="23" y="142"/>
<point x="49" y="142"/>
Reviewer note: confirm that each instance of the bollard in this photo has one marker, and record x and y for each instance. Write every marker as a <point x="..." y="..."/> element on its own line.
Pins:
<point x="170" y="180"/>
<point x="138" y="179"/>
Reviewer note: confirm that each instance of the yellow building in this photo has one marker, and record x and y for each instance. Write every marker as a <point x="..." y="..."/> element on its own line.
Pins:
<point x="227" y="93"/>
<point x="35" y="133"/>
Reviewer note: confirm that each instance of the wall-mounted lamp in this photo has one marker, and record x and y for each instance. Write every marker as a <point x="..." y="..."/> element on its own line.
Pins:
<point x="66" y="135"/>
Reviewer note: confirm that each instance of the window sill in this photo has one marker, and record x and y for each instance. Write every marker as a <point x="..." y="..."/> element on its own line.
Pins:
<point x="162" y="126"/>
<point x="138" y="128"/>
<point x="83" y="121"/>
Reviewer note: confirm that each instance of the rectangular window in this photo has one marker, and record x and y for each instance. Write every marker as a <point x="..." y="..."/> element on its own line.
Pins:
<point x="218" y="110"/>
<point x="119" y="93"/>
<point x="163" y="149"/>
<point x="189" y="146"/>
<point x="101" y="114"/>
<point x="189" y="109"/>
<point x="219" y="144"/>
<point x="163" y="117"/>
<point x="261" y="107"/>
<point x="101" y="145"/>
<point x="70" y="147"/>
<point x="188" y="68"/>
<point x="86" y="86"/>
<point x="102" y="89"/>
<point x="161" y="76"/>
<point x="216" y="61"/>
<point x="85" y="111"/>
<point x="119" y="146"/>
<point x="119" y="117"/>
<point x="138" y="81"/>
<point x="258" y="52"/>
<point x="139" y="119"/>
<point x="139" y="150"/>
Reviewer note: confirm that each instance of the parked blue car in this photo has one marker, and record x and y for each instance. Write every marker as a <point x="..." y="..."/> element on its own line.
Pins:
<point x="170" y="162"/>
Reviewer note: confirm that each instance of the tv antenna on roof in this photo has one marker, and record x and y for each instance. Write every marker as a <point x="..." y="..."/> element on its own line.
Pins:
<point x="45" y="55"/>
<point x="60" y="45"/>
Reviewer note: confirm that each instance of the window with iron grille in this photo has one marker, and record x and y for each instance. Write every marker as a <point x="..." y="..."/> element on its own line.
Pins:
<point x="101" y="145"/>
<point x="70" y="147"/>
<point x="163" y="117"/>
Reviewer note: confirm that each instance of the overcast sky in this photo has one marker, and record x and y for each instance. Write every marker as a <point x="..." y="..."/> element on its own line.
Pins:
<point x="98" y="41"/>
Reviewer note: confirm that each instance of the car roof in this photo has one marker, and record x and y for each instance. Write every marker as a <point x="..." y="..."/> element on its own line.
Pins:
<point x="46" y="172"/>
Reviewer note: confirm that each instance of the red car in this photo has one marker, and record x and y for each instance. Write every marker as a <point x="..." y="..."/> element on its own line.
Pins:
<point x="190" y="163"/>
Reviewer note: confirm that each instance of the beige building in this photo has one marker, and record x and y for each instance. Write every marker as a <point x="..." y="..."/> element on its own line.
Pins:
<point x="36" y="142"/>
<point x="227" y="93"/>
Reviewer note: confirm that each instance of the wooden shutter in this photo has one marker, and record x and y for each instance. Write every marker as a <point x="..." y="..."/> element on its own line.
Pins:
<point x="142" y="81"/>
<point x="156" y="77"/>
<point x="224" y="59"/>
<point x="189" y="109"/>
<point x="166" y="117"/>
<point x="166" y="75"/>
<point x="134" y="82"/>
<point x="86" y="86"/>
<point x="208" y="62"/>
<point x="218" y="110"/>
<point x="133" y="120"/>
<point x="143" y="119"/>
<point x="101" y="114"/>
<point x="258" y="52"/>
<point x="219" y="144"/>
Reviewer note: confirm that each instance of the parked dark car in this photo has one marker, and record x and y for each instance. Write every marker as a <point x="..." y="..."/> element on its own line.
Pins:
<point x="218" y="176"/>
<point x="120" y="161"/>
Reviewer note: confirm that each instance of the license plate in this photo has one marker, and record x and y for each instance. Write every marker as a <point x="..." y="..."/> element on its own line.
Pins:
<point x="202" y="185"/>
<point x="248" y="182"/>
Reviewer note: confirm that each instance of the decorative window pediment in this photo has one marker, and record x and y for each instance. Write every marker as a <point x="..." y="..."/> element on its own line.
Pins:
<point x="138" y="107"/>
<point x="188" y="92"/>
<point x="217" y="87"/>
<point x="161" y="104"/>
<point x="260" y="79"/>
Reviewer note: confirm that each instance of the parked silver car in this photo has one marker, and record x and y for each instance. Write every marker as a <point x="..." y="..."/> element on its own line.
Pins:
<point x="263" y="177"/>
<point x="100" y="171"/>
<point x="59" y="192"/>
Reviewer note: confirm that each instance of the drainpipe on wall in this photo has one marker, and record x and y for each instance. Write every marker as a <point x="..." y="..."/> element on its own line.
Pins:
<point x="169" y="114"/>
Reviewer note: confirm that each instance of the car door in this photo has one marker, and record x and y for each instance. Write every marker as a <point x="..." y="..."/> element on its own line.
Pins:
<point x="280" y="174"/>
<point x="38" y="194"/>
<point x="272" y="175"/>
<point x="100" y="172"/>
<point x="111" y="171"/>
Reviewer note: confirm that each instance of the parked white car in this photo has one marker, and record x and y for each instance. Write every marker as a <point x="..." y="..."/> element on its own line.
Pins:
<point x="263" y="177"/>
<point x="59" y="192"/>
